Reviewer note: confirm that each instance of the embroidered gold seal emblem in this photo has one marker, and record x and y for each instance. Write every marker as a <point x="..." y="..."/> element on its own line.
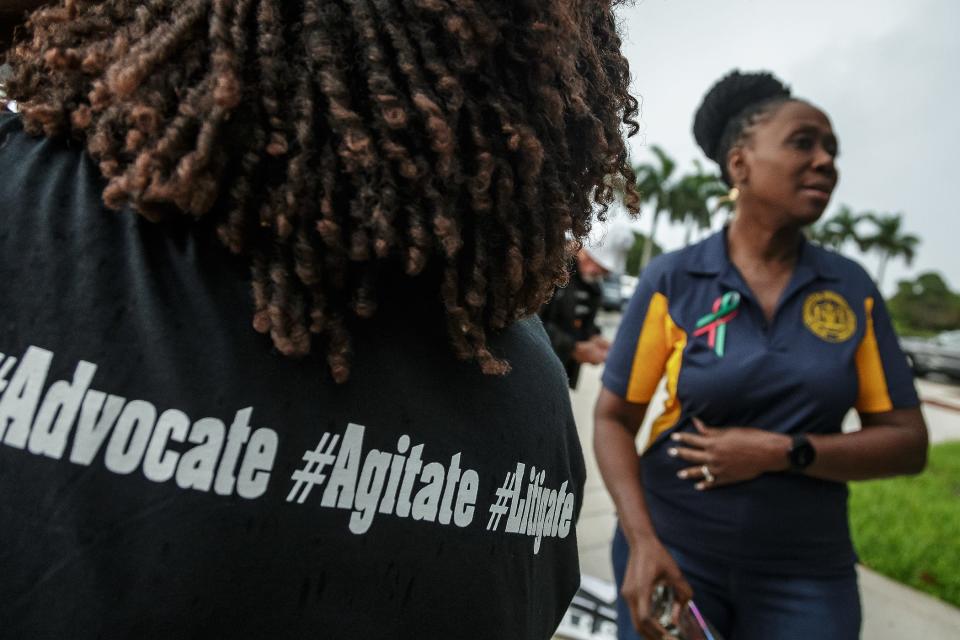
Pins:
<point x="829" y="316"/>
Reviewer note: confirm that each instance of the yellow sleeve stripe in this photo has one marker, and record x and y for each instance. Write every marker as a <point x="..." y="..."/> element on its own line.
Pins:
<point x="671" y="408"/>
<point x="653" y="348"/>
<point x="659" y="348"/>
<point x="874" y="396"/>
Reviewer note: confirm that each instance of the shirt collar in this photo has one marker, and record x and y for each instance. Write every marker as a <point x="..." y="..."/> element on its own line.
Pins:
<point x="710" y="258"/>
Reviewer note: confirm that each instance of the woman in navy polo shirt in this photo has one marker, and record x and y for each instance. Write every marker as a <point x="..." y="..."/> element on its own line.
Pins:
<point x="766" y="342"/>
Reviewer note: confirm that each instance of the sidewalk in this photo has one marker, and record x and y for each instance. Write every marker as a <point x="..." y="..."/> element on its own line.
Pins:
<point x="891" y="611"/>
<point x="941" y="407"/>
<point x="939" y="392"/>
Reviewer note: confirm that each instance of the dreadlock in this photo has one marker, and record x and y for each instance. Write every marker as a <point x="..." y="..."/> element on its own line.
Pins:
<point x="331" y="140"/>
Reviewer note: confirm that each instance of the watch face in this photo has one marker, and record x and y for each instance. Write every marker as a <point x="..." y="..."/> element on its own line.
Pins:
<point x="802" y="454"/>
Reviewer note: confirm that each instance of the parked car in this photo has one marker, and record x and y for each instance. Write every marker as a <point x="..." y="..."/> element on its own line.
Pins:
<point x="612" y="294"/>
<point x="628" y="284"/>
<point x="940" y="354"/>
<point x="617" y="291"/>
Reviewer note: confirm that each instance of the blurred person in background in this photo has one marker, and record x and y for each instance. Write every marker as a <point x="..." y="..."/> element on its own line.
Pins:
<point x="268" y="365"/>
<point x="570" y="316"/>
<point x="766" y="341"/>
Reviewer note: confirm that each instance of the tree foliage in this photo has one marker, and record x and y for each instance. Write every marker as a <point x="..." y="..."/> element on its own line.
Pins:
<point x="839" y="230"/>
<point x="889" y="240"/>
<point x="885" y="235"/>
<point x="635" y="256"/>
<point x="655" y="182"/>
<point x="690" y="199"/>
<point x="925" y="305"/>
<point x="695" y="198"/>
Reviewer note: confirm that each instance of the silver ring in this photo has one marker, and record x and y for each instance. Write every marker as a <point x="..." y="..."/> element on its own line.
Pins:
<point x="707" y="476"/>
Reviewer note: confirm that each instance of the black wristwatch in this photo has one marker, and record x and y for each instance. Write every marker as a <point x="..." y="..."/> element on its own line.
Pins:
<point x="801" y="454"/>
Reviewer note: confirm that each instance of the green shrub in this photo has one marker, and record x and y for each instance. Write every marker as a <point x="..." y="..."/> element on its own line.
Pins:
<point x="925" y="306"/>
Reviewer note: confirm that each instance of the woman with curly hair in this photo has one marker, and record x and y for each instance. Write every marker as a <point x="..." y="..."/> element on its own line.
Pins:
<point x="767" y="341"/>
<point x="268" y="365"/>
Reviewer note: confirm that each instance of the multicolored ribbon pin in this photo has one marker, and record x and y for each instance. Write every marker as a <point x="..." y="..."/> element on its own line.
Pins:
<point x="715" y="324"/>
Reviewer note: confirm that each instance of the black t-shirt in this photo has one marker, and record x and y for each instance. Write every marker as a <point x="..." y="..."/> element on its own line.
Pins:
<point x="165" y="474"/>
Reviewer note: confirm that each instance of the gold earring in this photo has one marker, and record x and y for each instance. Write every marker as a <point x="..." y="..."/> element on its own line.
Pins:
<point x="732" y="195"/>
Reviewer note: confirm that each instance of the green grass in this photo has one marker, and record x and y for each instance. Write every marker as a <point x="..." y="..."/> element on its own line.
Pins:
<point x="909" y="528"/>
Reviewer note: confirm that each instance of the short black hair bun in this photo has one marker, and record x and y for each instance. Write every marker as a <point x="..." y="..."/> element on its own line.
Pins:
<point x="727" y="99"/>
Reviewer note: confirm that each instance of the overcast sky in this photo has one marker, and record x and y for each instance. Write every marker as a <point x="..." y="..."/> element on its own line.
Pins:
<point x="885" y="71"/>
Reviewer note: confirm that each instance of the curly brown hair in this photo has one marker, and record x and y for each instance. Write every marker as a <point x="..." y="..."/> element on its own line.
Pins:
<point x="331" y="140"/>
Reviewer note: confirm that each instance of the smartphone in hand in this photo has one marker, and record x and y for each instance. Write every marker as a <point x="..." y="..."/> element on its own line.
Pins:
<point x="691" y="625"/>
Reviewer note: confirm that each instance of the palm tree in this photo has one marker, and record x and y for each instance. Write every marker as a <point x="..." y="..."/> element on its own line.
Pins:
<point x="821" y="235"/>
<point x="635" y="255"/>
<point x="835" y="232"/>
<point x="653" y="183"/>
<point x="889" y="241"/>
<point x="844" y="226"/>
<point x="696" y="197"/>
<point x="717" y="194"/>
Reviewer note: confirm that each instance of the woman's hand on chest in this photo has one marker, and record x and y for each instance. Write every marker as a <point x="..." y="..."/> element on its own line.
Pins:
<point x="727" y="455"/>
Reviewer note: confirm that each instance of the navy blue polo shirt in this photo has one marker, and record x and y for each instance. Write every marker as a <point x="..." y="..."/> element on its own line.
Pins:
<point x="830" y="347"/>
